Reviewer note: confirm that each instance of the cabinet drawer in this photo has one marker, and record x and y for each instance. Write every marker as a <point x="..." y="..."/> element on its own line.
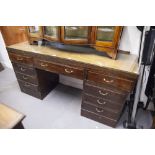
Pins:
<point x="104" y="93"/>
<point x="117" y="82"/>
<point x="31" y="92"/>
<point x="21" y="59"/>
<point x="100" y="111"/>
<point x="24" y="69"/>
<point x="27" y="85"/>
<point x="61" y="69"/>
<point x="95" y="117"/>
<point x="102" y="103"/>
<point x="27" y="78"/>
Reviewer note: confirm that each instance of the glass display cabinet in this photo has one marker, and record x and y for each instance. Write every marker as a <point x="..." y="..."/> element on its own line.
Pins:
<point x="51" y="33"/>
<point x="102" y="38"/>
<point x="34" y="33"/>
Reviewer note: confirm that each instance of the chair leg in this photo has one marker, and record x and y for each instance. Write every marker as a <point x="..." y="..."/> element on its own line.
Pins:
<point x="19" y="126"/>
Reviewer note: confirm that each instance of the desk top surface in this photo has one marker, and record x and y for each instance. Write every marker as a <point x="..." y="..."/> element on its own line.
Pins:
<point x="124" y="62"/>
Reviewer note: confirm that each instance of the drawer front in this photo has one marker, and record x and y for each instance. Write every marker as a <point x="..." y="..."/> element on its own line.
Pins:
<point x="120" y="83"/>
<point x="28" y="86"/>
<point x="93" y="116"/>
<point x="27" y="78"/>
<point x="104" y="93"/>
<point x="56" y="68"/>
<point x="24" y="69"/>
<point x="31" y="92"/>
<point x="21" y="59"/>
<point x="100" y="111"/>
<point x="102" y="103"/>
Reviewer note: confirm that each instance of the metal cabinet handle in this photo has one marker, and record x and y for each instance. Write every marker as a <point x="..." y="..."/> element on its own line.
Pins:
<point x="23" y="69"/>
<point x="99" y="110"/>
<point x="19" y="58"/>
<point x="24" y="77"/>
<point x="108" y="81"/>
<point x="43" y="64"/>
<point x="101" y="103"/>
<point x="68" y="71"/>
<point x="104" y="94"/>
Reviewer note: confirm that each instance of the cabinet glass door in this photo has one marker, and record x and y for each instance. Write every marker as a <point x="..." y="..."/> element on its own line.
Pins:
<point x="105" y="33"/>
<point x="34" y="31"/>
<point x="75" y="34"/>
<point x="51" y="32"/>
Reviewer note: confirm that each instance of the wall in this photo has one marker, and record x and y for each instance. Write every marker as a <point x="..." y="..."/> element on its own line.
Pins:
<point x="129" y="42"/>
<point x="4" y="59"/>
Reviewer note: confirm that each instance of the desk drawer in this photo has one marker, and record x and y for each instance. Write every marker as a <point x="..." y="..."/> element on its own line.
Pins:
<point x="101" y="119"/>
<point x="100" y="111"/>
<point x="24" y="69"/>
<point x="104" y="93"/>
<point x="28" y="86"/>
<point x="21" y="59"/>
<point x="102" y="103"/>
<point x="117" y="82"/>
<point x="27" y="78"/>
<point x="61" y="69"/>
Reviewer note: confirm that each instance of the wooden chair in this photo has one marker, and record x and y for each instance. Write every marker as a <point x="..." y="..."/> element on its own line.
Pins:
<point x="10" y="118"/>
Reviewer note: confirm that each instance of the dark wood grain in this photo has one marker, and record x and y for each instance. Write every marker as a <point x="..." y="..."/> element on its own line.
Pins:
<point x="100" y="111"/>
<point x="117" y="82"/>
<point x="21" y="59"/>
<point x="101" y="119"/>
<point x="107" y="94"/>
<point x="24" y="69"/>
<point x="102" y="103"/>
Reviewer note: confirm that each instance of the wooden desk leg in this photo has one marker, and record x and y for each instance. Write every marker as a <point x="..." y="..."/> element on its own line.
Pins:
<point x="19" y="126"/>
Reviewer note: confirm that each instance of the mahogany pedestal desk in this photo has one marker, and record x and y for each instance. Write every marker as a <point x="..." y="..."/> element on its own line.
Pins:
<point x="106" y="82"/>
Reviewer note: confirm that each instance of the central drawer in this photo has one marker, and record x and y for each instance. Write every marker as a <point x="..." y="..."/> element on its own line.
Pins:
<point x="59" y="68"/>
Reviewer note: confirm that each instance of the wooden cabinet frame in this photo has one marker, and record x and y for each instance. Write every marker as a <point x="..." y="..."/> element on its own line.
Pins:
<point x="49" y="38"/>
<point x="110" y="47"/>
<point x="77" y="41"/>
<point x="34" y="37"/>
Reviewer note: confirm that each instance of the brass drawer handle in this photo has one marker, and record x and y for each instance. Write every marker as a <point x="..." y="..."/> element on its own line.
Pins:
<point x="43" y="64"/>
<point x="27" y="85"/>
<point x="25" y="78"/>
<point x="19" y="58"/>
<point x="101" y="103"/>
<point x="104" y="94"/>
<point x="99" y="110"/>
<point x="23" y="69"/>
<point x="68" y="71"/>
<point x="108" y="81"/>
